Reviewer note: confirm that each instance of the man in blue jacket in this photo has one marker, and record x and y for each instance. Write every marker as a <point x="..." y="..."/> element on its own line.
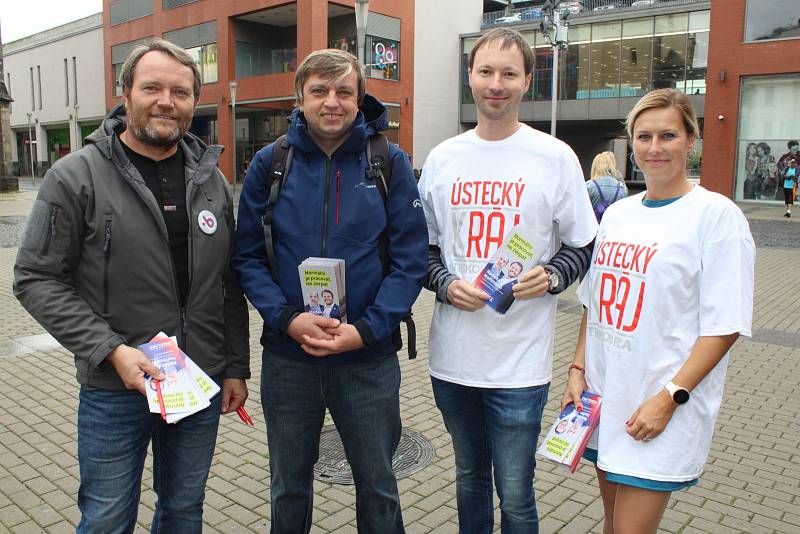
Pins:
<point x="329" y="207"/>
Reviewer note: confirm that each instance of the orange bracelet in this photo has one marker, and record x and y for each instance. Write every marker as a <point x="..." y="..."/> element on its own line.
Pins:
<point x="578" y="367"/>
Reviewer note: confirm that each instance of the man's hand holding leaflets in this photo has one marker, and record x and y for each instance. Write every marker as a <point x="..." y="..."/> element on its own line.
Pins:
<point x="510" y="274"/>
<point x="132" y="366"/>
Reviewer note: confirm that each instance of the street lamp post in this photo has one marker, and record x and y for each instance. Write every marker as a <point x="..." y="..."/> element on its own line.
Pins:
<point x="233" y="134"/>
<point x="555" y="22"/>
<point x="30" y="151"/>
<point x="362" y="11"/>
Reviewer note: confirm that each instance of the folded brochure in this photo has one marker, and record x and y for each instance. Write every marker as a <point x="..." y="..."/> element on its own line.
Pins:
<point x="566" y="441"/>
<point x="186" y="388"/>
<point x="519" y="253"/>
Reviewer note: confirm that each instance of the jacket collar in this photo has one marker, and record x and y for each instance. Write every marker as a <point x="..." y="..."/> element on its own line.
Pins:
<point x="199" y="157"/>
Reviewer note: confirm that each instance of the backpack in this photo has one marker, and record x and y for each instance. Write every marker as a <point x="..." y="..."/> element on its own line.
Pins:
<point x="603" y="204"/>
<point x="378" y="171"/>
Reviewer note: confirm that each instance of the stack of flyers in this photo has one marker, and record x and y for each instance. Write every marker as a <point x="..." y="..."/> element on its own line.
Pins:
<point x="322" y="281"/>
<point x="185" y="390"/>
<point x="567" y="438"/>
<point x="519" y="253"/>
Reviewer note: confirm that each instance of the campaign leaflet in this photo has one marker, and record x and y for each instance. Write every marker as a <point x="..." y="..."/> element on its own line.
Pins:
<point x="567" y="438"/>
<point x="322" y="282"/>
<point x="519" y="253"/>
<point x="186" y="389"/>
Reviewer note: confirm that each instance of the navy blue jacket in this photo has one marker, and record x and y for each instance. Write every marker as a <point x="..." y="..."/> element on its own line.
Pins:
<point x="329" y="208"/>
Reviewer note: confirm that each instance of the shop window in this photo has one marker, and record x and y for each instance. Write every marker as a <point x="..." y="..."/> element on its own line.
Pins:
<point x="348" y="44"/>
<point x="266" y="42"/>
<point x="117" y="84"/>
<point x="605" y="60"/>
<point x="206" y="58"/>
<point x="776" y="19"/>
<point x="768" y="135"/>
<point x="669" y="61"/>
<point x="635" y="65"/>
<point x="383" y="59"/>
<point x="466" y="92"/>
<point x="696" y="63"/>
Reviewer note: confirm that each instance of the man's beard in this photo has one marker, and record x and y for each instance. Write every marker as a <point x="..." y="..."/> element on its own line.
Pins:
<point x="150" y="136"/>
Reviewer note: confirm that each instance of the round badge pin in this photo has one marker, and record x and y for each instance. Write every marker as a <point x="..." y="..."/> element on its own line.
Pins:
<point x="207" y="222"/>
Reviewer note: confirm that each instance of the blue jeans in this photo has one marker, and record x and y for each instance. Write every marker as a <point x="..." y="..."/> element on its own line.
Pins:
<point x="493" y="427"/>
<point x="114" y="430"/>
<point x="364" y="401"/>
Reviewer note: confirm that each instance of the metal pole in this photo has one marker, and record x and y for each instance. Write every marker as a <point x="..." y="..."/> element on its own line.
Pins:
<point x="30" y="150"/>
<point x="233" y="135"/>
<point x="362" y="13"/>
<point x="554" y="91"/>
<point x="78" y="140"/>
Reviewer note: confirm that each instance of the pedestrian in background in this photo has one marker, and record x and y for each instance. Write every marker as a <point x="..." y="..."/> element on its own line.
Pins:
<point x="605" y="186"/>
<point x="669" y="291"/>
<point x="790" y="176"/>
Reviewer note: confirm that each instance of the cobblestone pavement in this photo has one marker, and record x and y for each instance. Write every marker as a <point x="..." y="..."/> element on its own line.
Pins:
<point x="750" y="483"/>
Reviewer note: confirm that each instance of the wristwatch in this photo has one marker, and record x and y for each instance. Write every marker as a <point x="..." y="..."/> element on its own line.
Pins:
<point x="552" y="280"/>
<point x="679" y="395"/>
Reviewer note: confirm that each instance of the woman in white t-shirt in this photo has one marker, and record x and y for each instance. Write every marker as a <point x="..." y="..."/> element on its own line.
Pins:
<point x="669" y="291"/>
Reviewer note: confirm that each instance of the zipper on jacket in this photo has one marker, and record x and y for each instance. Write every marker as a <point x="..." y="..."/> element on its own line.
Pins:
<point x="183" y="328"/>
<point x="328" y="164"/>
<point x="106" y="261"/>
<point x="338" y="189"/>
<point x="51" y="231"/>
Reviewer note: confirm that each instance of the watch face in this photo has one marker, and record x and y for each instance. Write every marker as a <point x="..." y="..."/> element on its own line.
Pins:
<point x="680" y="396"/>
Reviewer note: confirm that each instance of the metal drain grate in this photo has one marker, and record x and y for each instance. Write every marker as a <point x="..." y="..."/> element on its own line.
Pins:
<point x="414" y="452"/>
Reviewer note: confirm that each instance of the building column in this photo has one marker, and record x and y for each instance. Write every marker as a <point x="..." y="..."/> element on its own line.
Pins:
<point x="312" y="27"/>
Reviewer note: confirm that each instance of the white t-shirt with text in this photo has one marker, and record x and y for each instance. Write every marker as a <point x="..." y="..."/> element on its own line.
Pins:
<point x="474" y="192"/>
<point x="661" y="277"/>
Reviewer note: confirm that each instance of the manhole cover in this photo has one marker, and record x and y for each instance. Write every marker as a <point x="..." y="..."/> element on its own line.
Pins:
<point x="414" y="452"/>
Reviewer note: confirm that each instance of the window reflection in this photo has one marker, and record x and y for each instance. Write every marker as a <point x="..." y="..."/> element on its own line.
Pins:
<point x="669" y="61"/>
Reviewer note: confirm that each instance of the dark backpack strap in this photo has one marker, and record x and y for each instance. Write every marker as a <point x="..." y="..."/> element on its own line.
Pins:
<point x="600" y="192"/>
<point x="616" y="193"/>
<point x="279" y="168"/>
<point x="379" y="170"/>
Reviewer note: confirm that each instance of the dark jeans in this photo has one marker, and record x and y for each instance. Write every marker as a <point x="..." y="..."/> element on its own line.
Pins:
<point x="114" y="430"/>
<point x="493" y="428"/>
<point x="364" y="401"/>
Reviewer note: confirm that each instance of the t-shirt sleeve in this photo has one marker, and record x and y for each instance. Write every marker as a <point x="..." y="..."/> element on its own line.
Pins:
<point x="727" y="276"/>
<point x="584" y="292"/>
<point x="426" y="195"/>
<point x="577" y="224"/>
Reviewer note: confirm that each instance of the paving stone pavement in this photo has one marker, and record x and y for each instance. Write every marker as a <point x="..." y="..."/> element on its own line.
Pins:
<point x="750" y="483"/>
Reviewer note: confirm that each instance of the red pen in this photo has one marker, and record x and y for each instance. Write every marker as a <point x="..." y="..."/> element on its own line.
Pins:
<point x="244" y="416"/>
<point x="160" y="400"/>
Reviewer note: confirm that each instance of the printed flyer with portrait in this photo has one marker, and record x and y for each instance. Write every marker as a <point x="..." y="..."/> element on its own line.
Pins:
<point x="186" y="388"/>
<point x="567" y="438"/>
<point x="322" y="281"/>
<point x="519" y="253"/>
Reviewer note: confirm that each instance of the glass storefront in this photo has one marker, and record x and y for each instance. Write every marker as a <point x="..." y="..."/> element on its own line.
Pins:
<point x="383" y="59"/>
<point x="619" y="58"/>
<point x="768" y="135"/>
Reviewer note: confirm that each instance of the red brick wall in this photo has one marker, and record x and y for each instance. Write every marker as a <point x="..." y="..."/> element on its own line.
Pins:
<point x="728" y="52"/>
<point x="312" y="34"/>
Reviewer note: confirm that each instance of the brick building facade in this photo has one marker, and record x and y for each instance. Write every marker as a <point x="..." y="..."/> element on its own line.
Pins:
<point x="753" y="88"/>
<point x="258" y="43"/>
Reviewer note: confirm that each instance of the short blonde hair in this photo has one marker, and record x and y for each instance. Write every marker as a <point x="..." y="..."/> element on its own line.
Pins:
<point x="605" y="164"/>
<point x="330" y="64"/>
<point x="665" y="98"/>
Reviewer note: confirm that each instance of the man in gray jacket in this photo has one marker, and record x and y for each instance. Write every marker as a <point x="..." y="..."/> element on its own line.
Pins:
<point x="129" y="236"/>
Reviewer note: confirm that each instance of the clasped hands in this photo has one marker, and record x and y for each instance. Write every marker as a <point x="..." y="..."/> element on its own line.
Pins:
<point x="322" y="336"/>
<point x="467" y="297"/>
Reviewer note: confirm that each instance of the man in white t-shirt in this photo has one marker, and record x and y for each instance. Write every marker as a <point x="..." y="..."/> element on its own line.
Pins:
<point x="491" y="372"/>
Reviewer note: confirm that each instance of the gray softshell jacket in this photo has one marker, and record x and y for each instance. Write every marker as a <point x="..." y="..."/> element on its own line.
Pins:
<point x="94" y="267"/>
